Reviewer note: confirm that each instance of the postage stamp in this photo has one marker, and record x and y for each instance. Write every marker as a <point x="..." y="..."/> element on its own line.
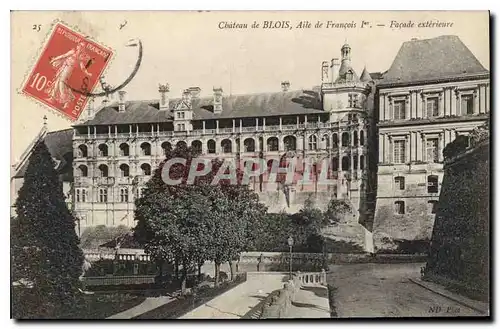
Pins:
<point x="67" y="70"/>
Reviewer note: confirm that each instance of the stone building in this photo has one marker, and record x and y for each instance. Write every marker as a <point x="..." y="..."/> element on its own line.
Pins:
<point x="381" y="134"/>
<point x="434" y="91"/>
<point x="120" y="144"/>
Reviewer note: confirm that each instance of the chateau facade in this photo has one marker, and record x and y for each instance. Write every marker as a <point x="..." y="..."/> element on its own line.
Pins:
<point x="382" y="135"/>
<point x="117" y="149"/>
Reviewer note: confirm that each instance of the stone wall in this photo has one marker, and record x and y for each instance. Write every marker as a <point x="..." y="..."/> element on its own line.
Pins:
<point x="459" y="253"/>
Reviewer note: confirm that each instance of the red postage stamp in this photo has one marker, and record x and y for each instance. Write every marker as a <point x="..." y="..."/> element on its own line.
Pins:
<point x="67" y="71"/>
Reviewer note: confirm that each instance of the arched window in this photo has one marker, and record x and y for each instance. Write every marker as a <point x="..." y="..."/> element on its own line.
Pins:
<point x="362" y="162"/>
<point x="146" y="169"/>
<point x="124" y="149"/>
<point x="345" y="139"/>
<point x="166" y="146"/>
<point x="355" y="163"/>
<point x="326" y="139"/>
<point x="335" y="140"/>
<point x="249" y="145"/>
<point x="125" y="170"/>
<point x="103" y="150"/>
<point x="196" y="146"/>
<point x="103" y="170"/>
<point x="362" y="137"/>
<point x="335" y="164"/>
<point x="82" y="171"/>
<point x="290" y="143"/>
<point x="348" y="76"/>
<point x="432" y="184"/>
<point x="181" y="145"/>
<point x="211" y="146"/>
<point x="346" y="163"/>
<point x="145" y="148"/>
<point x="82" y="151"/>
<point x="227" y="146"/>
<point x="355" y="137"/>
<point x="313" y="142"/>
<point x="272" y="144"/>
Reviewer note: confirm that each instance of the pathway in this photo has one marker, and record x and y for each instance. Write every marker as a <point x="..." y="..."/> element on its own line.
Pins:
<point x="387" y="290"/>
<point x="235" y="303"/>
<point x="147" y="305"/>
<point x="310" y="302"/>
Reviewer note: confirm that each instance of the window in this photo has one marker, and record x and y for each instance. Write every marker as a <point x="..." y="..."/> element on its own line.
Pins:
<point x="432" y="184"/>
<point x="124" y="149"/>
<point x="432" y="107"/>
<point x="335" y="140"/>
<point x="335" y="164"/>
<point x="355" y="163"/>
<point x="313" y="142"/>
<point x="146" y="169"/>
<point x="348" y="76"/>
<point x="326" y="139"/>
<point x="82" y="171"/>
<point x="399" y="110"/>
<point x="227" y="146"/>
<point x="82" y="151"/>
<point x="81" y="195"/>
<point x="467" y="105"/>
<point x="196" y="146"/>
<point x="272" y="144"/>
<point x="431" y="146"/>
<point x="249" y="145"/>
<point x="290" y="143"/>
<point x="211" y="146"/>
<point x="103" y="170"/>
<point x="103" y="195"/>
<point x="124" y="170"/>
<point x="355" y="138"/>
<point x="140" y="192"/>
<point x="180" y="115"/>
<point x="103" y="150"/>
<point x="181" y="127"/>
<point x="362" y="137"/>
<point x="146" y="149"/>
<point x="399" y="182"/>
<point x="362" y="162"/>
<point x="124" y="195"/>
<point x="353" y="100"/>
<point x="399" y="207"/>
<point x="346" y="163"/>
<point x="345" y="139"/>
<point x="432" y="206"/>
<point x="166" y="146"/>
<point x="399" y="151"/>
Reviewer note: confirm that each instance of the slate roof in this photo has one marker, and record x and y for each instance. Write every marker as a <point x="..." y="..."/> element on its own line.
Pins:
<point x="60" y="146"/>
<point x="235" y="106"/>
<point x="365" y="76"/>
<point x="430" y="59"/>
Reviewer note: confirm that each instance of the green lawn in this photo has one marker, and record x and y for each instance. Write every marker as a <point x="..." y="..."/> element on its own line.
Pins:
<point x="96" y="306"/>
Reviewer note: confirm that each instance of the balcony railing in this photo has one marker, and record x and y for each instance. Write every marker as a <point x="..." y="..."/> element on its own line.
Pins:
<point x="199" y="132"/>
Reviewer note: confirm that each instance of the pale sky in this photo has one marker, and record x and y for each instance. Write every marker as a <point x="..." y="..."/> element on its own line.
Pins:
<point x="188" y="49"/>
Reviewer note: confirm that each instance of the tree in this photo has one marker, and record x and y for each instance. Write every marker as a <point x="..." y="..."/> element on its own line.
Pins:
<point x="46" y="252"/>
<point x="192" y="223"/>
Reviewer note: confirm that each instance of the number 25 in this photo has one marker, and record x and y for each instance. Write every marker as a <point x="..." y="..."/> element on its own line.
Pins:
<point x="37" y="27"/>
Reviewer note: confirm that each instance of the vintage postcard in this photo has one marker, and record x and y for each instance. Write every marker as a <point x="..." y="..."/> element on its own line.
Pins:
<point x="250" y="165"/>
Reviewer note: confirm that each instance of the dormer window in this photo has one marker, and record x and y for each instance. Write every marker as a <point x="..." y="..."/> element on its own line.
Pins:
<point x="348" y="76"/>
<point x="180" y="115"/>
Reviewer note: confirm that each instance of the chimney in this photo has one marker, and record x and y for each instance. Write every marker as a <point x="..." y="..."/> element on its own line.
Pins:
<point x="186" y="97"/>
<point x="90" y="108"/>
<point x="121" y="100"/>
<point x="195" y="92"/>
<point x="163" y="90"/>
<point x="285" y="85"/>
<point x="218" y="100"/>
<point x="324" y="72"/>
<point x="335" y="69"/>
